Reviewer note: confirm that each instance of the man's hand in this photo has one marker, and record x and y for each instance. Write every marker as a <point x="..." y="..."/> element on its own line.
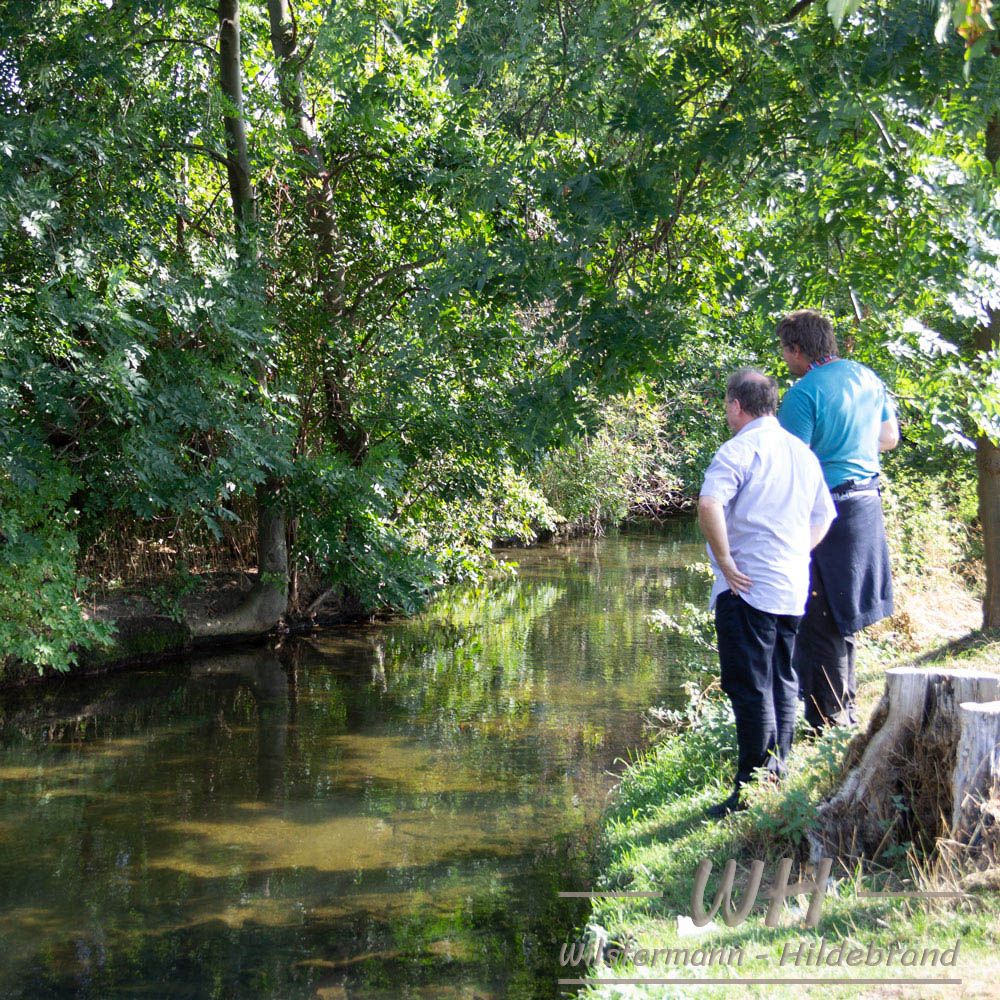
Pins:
<point x="712" y="521"/>
<point x="738" y="582"/>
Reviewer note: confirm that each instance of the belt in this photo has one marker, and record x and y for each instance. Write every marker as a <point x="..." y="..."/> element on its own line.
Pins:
<point x="854" y="488"/>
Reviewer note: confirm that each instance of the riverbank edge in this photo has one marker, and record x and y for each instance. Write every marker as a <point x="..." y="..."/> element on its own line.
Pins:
<point x="145" y="633"/>
<point x="655" y="831"/>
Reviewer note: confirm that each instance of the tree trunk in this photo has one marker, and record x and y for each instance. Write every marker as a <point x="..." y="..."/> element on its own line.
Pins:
<point x="241" y="191"/>
<point x="902" y="785"/>
<point x="267" y="601"/>
<point x="268" y="598"/>
<point x="975" y="817"/>
<point x="987" y="453"/>
<point x="988" y="469"/>
<point x="307" y="147"/>
<point x="330" y="271"/>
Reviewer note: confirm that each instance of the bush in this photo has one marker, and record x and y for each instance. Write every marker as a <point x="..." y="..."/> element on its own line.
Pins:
<point x="42" y="622"/>
<point x="646" y="457"/>
<point x="929" y="520"/>
<point x="646" y="452"/>
<point x="388" y="538"/>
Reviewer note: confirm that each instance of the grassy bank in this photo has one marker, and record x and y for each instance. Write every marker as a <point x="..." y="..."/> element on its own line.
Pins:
<point x="655" y="833"/>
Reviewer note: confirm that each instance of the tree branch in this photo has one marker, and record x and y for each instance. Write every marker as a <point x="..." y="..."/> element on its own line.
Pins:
<point x="795" y="11"/>
<point x="179" y="41"/>
<point x="201" y="218"/>
<point x="340" y="164"/>
<point x="390" y="272"/>
<point x="194" y="147"/>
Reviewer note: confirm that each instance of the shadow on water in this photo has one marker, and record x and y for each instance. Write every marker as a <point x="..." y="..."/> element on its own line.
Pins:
<point x="374" y="812"/>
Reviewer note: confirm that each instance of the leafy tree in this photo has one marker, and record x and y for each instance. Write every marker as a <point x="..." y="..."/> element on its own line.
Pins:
<point x="123" y="345"/>
<point x="357" y="269"/>
<point x="947" y="140"/>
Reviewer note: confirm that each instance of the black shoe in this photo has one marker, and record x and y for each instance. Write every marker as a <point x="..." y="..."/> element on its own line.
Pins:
<point x="731" y="805"/>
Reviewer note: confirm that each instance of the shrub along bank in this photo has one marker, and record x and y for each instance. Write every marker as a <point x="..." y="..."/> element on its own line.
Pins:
<point x="656" y="834"/>
<point x="381" y="537"/>
<point x="362" y="540"/>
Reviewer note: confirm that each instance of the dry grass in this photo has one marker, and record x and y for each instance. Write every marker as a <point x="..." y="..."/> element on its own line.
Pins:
<point x="931" y="609"/>
<point x="129" y="551"/>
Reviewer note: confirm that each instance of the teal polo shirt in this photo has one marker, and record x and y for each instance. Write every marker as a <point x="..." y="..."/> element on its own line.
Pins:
<point x="838" y="409"/>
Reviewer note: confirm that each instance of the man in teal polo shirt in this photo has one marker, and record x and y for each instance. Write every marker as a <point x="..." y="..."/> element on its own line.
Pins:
<point x="842" y="410"/>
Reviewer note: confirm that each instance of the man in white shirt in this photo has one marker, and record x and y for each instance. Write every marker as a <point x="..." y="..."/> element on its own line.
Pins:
<point x="763" y="506"/>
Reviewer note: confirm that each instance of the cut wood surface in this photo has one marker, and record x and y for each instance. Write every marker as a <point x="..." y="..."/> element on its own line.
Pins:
<point x="902" y="786"/>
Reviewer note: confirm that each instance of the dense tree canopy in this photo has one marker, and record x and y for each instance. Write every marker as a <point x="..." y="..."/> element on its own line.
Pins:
<point x="347" y="273"/>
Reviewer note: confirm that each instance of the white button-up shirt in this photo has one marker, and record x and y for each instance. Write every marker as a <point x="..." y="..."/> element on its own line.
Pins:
<point x="772" y="490"/>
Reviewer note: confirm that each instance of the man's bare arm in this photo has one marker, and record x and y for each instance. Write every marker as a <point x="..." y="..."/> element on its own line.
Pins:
<point x="817" y="532"/>
<point x="824" y="513"/>
<point x="888" y="435"/>
<point x="712" y="521"/>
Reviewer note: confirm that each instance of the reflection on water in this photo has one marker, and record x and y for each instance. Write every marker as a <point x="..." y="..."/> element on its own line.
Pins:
<point x="387" y="811"/>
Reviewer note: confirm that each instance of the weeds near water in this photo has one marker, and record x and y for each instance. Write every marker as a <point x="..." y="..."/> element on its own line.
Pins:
<point x="693" y="622"/>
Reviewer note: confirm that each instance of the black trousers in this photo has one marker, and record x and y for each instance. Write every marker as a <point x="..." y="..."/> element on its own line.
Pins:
<point x="755" y="657"/>
<point x="824" y="663"/>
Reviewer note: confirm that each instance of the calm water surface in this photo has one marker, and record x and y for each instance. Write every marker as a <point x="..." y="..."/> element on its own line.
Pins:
<point x="386" y="811"/>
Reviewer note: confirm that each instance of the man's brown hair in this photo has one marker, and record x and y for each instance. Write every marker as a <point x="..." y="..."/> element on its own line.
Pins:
<point x="810" y="331"/>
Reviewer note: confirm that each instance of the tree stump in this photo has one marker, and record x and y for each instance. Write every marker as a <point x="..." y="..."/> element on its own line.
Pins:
<point x="975" y="817"/>
<point x="901" y="786"/>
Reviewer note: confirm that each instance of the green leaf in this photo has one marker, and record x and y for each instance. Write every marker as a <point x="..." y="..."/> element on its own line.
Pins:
<point x="841" y="9"/>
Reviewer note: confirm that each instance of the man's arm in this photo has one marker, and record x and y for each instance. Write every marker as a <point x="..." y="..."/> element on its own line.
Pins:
<point x="824" y="511"/>
<point x="888" y="432"/>
<point x="712" y="521"/>
<point x="817" y="532"/>
<point x="888" y="435"/>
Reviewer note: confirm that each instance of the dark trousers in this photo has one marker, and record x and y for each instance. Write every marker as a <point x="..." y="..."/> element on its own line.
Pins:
<point x="824" y="663"/>
<point x="755" y="657"/>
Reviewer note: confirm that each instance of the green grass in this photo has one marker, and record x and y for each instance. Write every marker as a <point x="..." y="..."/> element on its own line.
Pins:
<point x="655" y="834"/>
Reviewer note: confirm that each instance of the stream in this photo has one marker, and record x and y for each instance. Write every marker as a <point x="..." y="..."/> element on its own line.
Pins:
<point x="384" y="811"/>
